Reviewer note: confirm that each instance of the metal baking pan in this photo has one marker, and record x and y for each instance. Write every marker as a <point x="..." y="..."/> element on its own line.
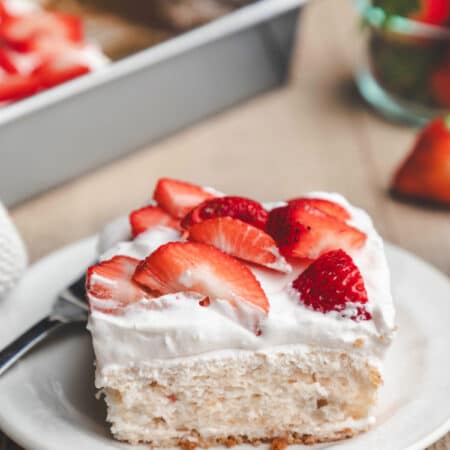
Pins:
<point x="63" y="132"/>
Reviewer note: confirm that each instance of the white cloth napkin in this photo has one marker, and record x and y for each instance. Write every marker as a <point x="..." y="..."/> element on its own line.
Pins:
<point x="13" y="256"/>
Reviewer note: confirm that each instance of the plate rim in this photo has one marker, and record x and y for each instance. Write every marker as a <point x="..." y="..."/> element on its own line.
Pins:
<point x="16" y="434"/>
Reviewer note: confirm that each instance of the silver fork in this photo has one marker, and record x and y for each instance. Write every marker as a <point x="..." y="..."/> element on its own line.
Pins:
<point x="69" y="307"/>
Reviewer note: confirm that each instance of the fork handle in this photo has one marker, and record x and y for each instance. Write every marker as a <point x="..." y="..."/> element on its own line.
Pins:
<point x="20" y="346"/>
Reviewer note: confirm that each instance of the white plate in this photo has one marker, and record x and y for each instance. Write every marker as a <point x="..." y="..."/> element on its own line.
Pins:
<point x="47" y="401"/>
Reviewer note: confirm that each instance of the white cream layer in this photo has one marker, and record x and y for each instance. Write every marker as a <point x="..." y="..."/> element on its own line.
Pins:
<point x="175" y="325"/>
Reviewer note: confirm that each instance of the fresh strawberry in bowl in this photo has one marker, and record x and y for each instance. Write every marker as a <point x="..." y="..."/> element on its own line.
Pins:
<point x="404" y="75"/>
<point x="433" y="12"/>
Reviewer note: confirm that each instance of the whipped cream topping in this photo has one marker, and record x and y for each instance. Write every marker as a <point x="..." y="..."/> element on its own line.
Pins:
<point x="176" y="325"/>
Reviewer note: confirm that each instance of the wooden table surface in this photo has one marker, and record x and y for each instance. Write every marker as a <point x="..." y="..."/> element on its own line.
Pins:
<point x="313" y="133"/>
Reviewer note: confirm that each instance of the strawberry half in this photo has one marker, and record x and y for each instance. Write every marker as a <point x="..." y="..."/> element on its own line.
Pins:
<point x="150" y="216"/>
<point x="302" y="231"/>
<point x="326" y="206"/>
<point x="109" y="285"/>
<point x="179" y="197"/>
<point x="15" y="87"/>
<point x="239" y="239"/>
<point x="57" y="71"/>
<point x="236" y="207"/>
<point x="334" y="283"/>
<point x="195" y="267"/>
<point x="425" y="174"/>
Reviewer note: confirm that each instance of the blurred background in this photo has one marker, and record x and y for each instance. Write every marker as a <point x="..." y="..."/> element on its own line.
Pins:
<point x="360" y="83"/>
<point x="314" y="132"/>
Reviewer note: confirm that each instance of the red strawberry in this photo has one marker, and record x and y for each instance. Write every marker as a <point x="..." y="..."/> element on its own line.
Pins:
<point x="56" y="72"/>
<point x="237" y="207"/>
<point x="7" y="62"/>
<point x="433" y="12"/>
<point x="20" y="31"/>
<point x="195" y="267"/>
<point x="302" y="231"/>
<point x="326" y="206"/>
<point x="4" y="14"/>
<point x="150" y="216"/>
<point x="179" y="197"/>
<point x="16" y="87"/>
<point x="239" y="239"/>
<point x="425" y="174"/>
<point x="109" y="285"/>
<point x="334" y="283"/>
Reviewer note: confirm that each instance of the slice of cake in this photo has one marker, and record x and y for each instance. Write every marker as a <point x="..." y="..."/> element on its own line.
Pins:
<point x="219" y="320"/>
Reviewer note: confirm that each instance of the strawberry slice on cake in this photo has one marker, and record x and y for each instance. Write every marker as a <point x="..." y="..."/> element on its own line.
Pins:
<point x="241" y="240"/>
<point x="303" y="231"/>
<point x="150" y="216"/>
<point x="189" y="266"/>
<point x="326" y="206"/>
<point x="240" y="208"/>
<point x="110" y="287"/>
<point x="177" y="198"/>
<point x="205" y="336"/>
<point x="333" y="283"/>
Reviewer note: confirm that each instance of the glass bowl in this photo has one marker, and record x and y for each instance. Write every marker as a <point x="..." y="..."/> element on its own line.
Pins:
<point x="405" y="72"/>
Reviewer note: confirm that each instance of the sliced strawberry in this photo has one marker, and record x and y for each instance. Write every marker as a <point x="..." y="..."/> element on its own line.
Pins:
<point x="239" y="239"/>
<point x="56" y="72"/>
<point x="20" y="31"/>
<point x="237" y="207"/>
<point x="7" y="61"/>
<point x="302" y="231"/>
<point x="16" y="87"/>
<point x="326" y="206"/>
<point x="425" y="174"/>
<point x="151" y="216"/>
<point x="4" y="13"/>
<point x="179" y="197"/>
<point x="334" y="283"/>
<point x="195" y="267"/>
<point x="109" y="285"/>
